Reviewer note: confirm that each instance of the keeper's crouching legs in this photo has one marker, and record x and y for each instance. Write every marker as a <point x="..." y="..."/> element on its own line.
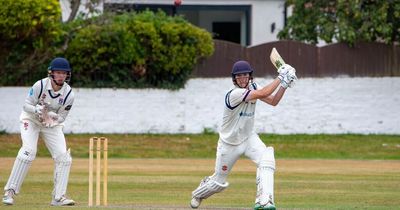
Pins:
<point x="206" y="188"/>
<point x="21" y="166"/>
<point x="61" y="174"/>
<point x="265" y="181"/>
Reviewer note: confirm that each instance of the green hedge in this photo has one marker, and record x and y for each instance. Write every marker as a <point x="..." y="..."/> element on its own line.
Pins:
<point x="129" y="50"/>
<point x="28" y="30"/>
<point x="137" y="50"/>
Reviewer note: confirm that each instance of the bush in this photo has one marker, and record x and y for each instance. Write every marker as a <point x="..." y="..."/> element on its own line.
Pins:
<point x="129" y="50"/>
<point x="28" y="29"/>
<point x="136" y="50"/>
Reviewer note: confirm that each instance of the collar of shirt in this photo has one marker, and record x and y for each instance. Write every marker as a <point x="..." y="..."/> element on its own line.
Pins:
<point x="49" y="87"/>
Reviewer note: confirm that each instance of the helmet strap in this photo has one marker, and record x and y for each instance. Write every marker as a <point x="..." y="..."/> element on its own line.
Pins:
<point x="50" y="75"/>
<point x="55" y="82"/>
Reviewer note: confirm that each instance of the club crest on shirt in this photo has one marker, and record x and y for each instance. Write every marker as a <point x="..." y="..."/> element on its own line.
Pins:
<point x="60" y="101"/>
<point x="26" y="125"/>
<point x="31" y="92"/>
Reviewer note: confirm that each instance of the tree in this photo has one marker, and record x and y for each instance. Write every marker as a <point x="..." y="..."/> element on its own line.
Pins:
<point x="343" y="21"/>
<point x="91" y="6"/>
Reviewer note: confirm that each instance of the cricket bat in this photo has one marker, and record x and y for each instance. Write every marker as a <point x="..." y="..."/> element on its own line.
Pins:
<point x="276" y="59"/>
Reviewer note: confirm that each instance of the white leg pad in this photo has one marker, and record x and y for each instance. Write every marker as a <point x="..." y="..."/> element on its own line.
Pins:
<point x="21" y="167"/>
<point x="208" y="187"/>
<point x="61" y="174"/>
<point x="265" y="178"/>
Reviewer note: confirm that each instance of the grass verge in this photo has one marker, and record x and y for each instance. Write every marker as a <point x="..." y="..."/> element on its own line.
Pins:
<point x="349" y="146"/>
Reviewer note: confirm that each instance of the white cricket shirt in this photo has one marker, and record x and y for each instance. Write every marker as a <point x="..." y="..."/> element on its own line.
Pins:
<point x="60" y="102"/>
<point x="238" y="119"/>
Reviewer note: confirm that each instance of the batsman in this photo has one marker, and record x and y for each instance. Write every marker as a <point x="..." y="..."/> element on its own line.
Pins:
<point x="46" y="108"/>
<point x="237" y="136"/>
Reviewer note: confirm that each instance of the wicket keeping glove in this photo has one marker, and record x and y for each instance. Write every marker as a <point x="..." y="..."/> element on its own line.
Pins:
<point x="52" y="115"/>
<point x="50" y="119"/>
<point x="39" y="109"/>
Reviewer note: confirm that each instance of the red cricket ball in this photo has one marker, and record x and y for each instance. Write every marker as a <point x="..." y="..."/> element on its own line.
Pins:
<point x="177" y="2"/>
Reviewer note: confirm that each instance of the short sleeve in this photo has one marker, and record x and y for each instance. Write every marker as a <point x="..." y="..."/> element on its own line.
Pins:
<point x="236" y="96"/>
<point x="34" y="93"/>
<point x="64" y="110"/>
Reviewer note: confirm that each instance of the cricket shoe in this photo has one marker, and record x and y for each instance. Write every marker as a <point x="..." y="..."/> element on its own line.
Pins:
<point x="195" y="202"/>
<point x="268" y="206"/>
<point x="63" y="201"/>
<point x="8" y="198"/>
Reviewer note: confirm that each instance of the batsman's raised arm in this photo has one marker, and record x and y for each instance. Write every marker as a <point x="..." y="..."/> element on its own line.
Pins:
<point x="263" y="92"/>
<point x="287" y="75"/>
<point x="274" y="99"/>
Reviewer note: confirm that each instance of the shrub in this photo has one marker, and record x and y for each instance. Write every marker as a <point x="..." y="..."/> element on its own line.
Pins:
<point x="129" y="50"/>
<point x="28" y="30"/>
<point x="136" y="50"/>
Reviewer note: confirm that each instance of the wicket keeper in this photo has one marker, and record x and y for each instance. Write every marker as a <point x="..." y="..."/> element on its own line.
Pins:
<point x="46" y="108"/>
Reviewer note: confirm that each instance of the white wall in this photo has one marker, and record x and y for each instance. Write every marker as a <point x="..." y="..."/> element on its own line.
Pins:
<point x="328" y="105"/>
<point x="264" y="13"/>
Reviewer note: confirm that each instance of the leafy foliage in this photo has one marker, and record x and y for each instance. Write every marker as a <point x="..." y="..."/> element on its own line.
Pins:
<point x="129" y="50"/>
<point x="136" y="50"/>
<point x="28" y="29"/>
<point x="343" y="21"/>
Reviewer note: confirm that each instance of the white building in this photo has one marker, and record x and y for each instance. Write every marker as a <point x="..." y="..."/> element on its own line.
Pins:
<point x="248" y="22"/>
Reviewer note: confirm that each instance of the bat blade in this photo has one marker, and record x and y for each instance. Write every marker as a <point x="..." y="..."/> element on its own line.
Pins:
<point x="276" y="59"/>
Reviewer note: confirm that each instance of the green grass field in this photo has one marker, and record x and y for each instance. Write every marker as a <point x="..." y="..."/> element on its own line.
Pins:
<point x="160" y="171"/>
<point x="360" y="147"/>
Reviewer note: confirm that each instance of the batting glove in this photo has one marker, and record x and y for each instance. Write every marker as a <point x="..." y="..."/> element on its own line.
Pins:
<point x="285" y="82"/>
<point x="290" y="79"/>
<point x="285" y="68"/>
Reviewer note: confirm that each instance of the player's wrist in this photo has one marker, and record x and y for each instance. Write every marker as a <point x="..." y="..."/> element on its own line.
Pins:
<point x="284" y="84"/>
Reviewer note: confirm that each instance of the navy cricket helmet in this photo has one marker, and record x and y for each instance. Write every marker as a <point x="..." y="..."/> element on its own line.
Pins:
<point x="241" y="67"/>
<point x="60" y="64"/>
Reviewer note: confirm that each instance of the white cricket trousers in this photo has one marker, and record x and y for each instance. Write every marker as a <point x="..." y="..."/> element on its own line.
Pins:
<point x="53" y="137"/>
<point x="227" y="155"/>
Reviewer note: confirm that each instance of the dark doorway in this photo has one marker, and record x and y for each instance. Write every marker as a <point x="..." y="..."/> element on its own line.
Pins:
<point x="228" y="31"/>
